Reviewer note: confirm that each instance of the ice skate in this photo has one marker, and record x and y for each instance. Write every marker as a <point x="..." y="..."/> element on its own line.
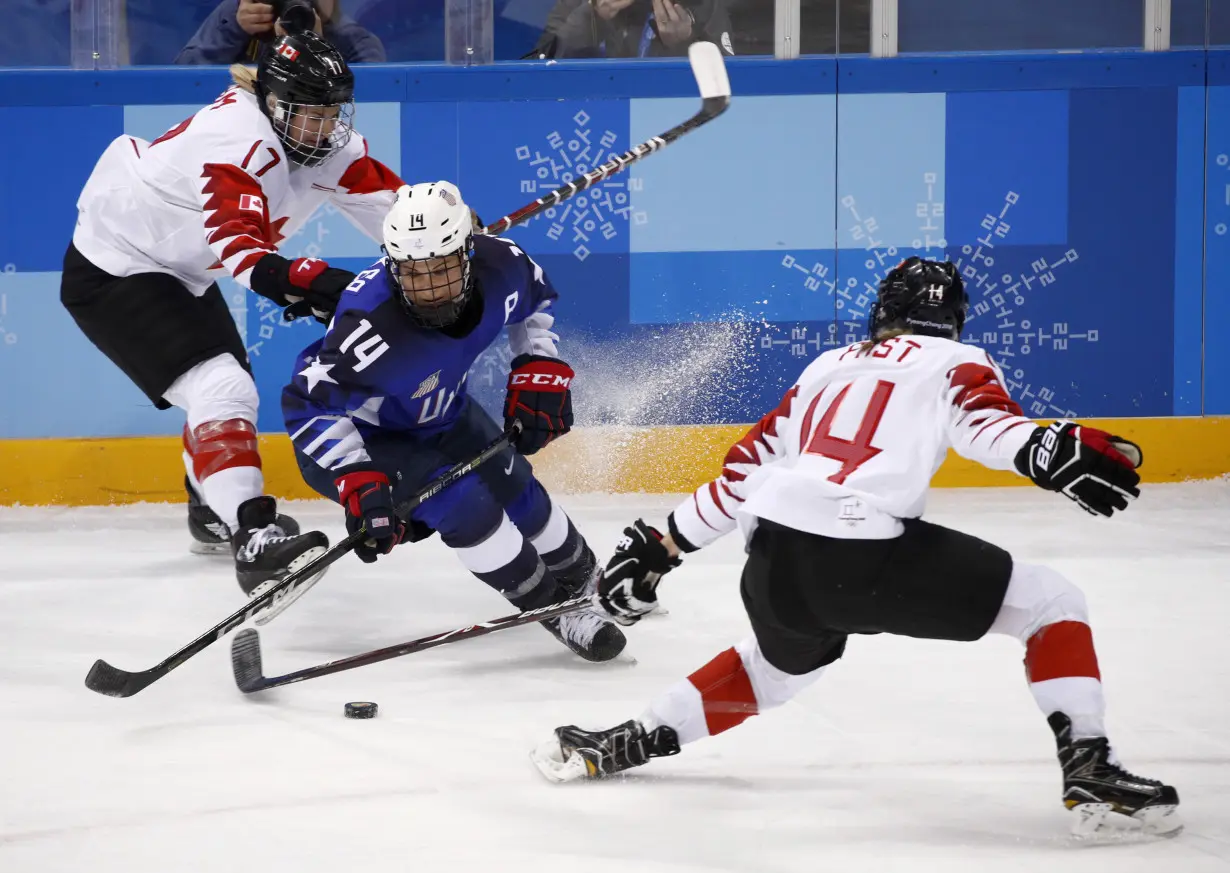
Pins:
<point x="577" y="754"/>
<point x="1104" y="796"/>
<point x="210" y="536"/>
<point x="588" y="633"/>
<point x="265" y="554"/>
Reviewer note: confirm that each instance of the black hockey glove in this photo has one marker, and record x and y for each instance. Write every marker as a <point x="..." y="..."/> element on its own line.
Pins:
<point x="1087" y="465"/>
<point x="627" y="586"/>
<point x="539" y="396"/>
<point x="305" y="286"/>
<point x="368" y="502"/>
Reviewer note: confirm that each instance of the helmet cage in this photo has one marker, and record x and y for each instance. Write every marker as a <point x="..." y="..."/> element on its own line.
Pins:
<point x="302" y="132"/>
<point x="431" y="306"/>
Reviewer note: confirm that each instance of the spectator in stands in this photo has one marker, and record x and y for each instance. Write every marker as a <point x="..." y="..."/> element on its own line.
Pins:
<point x="632" y="28"/>
<point x="239" y="31"/>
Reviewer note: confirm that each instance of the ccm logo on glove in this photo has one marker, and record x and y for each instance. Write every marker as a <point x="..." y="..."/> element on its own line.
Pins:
<point x="557" y="381"/>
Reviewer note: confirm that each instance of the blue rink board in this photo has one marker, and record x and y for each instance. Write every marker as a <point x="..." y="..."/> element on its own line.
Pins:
<point x="1078" y="195"/>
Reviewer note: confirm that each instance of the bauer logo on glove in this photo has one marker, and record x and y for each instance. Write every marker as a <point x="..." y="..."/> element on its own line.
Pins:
<point x="1086" y="465"/>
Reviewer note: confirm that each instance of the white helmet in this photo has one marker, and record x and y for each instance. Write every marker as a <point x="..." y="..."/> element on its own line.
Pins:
<point x="430" y="220"/>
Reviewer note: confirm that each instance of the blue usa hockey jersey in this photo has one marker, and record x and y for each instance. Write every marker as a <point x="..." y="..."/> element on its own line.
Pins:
<point x="376" y="370"/>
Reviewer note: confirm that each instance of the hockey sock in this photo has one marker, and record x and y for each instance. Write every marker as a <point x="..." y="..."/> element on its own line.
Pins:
<point x="226" y="462"/>
<point x="1049" y="616"/>
<point x="730" y="689"/>
<point x="560" y="544"/>
<point x="1062" y="668"/>
<point x="551" y="532"/>
<point x="507" y="562"/>
<point x="189" y="467"/>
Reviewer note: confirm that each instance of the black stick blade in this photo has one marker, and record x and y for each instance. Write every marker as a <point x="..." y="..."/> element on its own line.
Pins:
<point x="246" y="660"/>
<point x="108" y="680"/>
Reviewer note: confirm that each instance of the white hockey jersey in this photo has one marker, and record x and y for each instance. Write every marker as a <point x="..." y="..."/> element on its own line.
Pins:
<point x="215" y="194"/>
<point x="853" y="446"/>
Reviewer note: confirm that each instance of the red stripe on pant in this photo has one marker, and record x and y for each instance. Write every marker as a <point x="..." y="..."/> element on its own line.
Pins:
<point x="221" y="445"/>
<point x="1061" y="650"/>
<point x="725" y="692"/>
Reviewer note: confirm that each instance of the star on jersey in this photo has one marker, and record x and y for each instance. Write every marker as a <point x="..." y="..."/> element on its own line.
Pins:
<point x="316" y="373"/>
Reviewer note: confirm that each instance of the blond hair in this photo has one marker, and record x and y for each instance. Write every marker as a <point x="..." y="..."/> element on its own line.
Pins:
<point x="244" y="77"/>
<point x="868" y="345"/>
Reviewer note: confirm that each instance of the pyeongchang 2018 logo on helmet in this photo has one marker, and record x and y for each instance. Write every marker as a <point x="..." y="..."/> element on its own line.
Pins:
<point x="599" y="212"/>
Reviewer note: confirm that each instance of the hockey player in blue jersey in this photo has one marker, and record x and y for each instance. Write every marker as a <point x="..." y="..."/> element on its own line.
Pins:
<point x="379" y="407"/>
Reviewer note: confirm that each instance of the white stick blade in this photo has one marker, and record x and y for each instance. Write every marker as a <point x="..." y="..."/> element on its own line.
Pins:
<point x="709" y="70"/>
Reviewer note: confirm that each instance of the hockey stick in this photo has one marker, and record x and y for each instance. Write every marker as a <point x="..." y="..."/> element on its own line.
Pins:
<point x="246" y="647"/>
<point x="710" y="73"/>
<point x="114" y="682"/>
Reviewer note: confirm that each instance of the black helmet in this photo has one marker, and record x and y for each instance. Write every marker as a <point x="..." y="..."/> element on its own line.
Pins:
<point x="925" y="297"/>
<point x="303" y="70"/>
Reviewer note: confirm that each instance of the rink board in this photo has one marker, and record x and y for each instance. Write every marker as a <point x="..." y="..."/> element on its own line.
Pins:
<point x="1085" y="198"/>
<point x="87" y="472"/>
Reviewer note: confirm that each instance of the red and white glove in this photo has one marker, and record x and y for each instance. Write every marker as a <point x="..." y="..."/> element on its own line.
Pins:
<point x="305" y="286"/>
<point x="1087" y="465"/>
<point x="540" y="397"/>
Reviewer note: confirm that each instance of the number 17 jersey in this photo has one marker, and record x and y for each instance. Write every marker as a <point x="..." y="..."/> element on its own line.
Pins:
<point x="853" y="446"/>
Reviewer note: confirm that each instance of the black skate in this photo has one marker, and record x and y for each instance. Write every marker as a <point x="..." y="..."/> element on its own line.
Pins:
<point x="265" y="554"/>
<point x="587" y="633"/>
<point x="577" y="754"/>
<point x="1104" y="795"/>
<point x="210" y="536"/>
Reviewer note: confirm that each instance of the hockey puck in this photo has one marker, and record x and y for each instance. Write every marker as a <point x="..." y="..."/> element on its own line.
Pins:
<point x="361" y="709"/>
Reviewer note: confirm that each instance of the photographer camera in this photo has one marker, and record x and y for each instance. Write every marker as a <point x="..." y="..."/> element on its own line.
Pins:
<point x="241" y="31"/>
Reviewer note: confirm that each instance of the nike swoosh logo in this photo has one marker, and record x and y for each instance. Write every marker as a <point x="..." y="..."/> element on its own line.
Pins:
<point x="511" y="461"/>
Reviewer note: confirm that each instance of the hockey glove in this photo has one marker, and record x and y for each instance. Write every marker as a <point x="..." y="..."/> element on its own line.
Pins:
<point x="305" y="286"/>
<point x="368" y="502"/>
<point x="627" y="586"/>
<point x="1087" y="465"/>
<point x="540" y="397"/>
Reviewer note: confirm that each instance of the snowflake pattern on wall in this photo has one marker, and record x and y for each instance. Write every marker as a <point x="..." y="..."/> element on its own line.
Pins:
<point x="600" y="210"/>
<point x="998" y="319"/>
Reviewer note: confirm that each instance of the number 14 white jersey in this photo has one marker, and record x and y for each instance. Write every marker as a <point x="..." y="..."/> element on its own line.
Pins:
<point x="852" y="447"/>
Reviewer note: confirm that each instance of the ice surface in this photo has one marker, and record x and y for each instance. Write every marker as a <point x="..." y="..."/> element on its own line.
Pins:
<point x="907" y="755"/>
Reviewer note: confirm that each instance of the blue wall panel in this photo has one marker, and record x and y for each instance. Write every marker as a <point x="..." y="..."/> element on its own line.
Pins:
<point x="1217" y="250"/>
<point x="1018" y="140"/>
<point x="41" y="175"/>
<point x="1073" y="191"/>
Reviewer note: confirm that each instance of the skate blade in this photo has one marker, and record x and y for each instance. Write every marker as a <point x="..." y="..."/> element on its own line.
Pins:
<point x="285" y="598"/>
<point x="197" y="547"/>
<point x="1096" y="821"/>
<point x="552" y="764"/>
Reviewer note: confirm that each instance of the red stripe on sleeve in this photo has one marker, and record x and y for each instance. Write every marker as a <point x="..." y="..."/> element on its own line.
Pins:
<point x="367" y="176"/>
